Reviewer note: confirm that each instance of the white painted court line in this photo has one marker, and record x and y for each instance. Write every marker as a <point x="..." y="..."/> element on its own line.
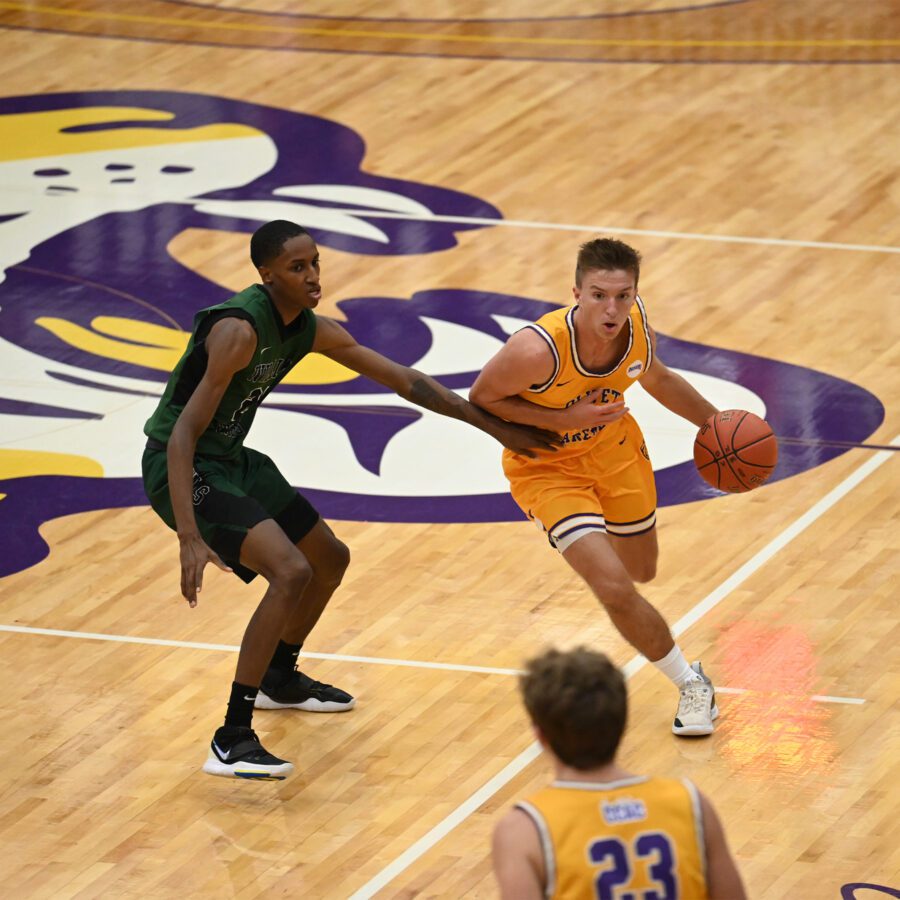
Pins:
<point x="818" y="698"/>
<point x="233" y="648"/>
<point x="340" y="657"/>
<point x="121" y="638"/>
<point x="615" y="229"/>
<point x="530" y="753"/>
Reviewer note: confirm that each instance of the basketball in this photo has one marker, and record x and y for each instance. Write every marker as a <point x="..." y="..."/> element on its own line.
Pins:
<point x="735" y="451"/>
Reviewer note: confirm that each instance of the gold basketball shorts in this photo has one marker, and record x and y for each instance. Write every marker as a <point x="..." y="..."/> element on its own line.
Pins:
<point x="608" y="488"/>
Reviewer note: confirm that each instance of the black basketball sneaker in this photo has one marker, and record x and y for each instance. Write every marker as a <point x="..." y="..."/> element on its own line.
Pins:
<point x="237" y="753"/>
<point x="294" y="690"/>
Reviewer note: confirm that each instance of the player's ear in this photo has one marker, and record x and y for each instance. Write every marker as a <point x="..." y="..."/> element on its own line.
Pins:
<point x="265" y="273"/>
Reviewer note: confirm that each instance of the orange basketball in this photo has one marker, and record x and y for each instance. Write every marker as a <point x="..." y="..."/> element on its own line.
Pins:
<point x="735" y="451"/>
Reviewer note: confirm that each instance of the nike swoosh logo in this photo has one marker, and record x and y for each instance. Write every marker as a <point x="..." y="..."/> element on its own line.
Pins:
<point x="220" y="752"/>
<point x="250" y="698"/>
<point x="623" y="440"/>
<point x="563" y="383"/>
<point x="264" y="349"/>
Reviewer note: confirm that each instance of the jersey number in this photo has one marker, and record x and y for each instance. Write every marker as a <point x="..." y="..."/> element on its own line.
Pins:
<point x="654" y="846"/>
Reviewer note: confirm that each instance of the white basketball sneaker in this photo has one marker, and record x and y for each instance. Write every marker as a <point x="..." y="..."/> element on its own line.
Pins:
<point x="696" y="707"/>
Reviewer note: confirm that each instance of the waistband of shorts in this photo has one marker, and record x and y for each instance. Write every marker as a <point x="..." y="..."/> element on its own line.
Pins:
<point x="153" y="444"/>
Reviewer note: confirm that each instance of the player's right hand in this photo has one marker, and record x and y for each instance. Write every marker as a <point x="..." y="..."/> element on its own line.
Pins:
<point x="587" y="414"/>
<point x="195" y="554"/>
<point x="525" y="439"/>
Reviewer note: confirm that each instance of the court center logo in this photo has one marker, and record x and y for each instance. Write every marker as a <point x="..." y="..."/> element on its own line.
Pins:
<point x="95" y="311"/>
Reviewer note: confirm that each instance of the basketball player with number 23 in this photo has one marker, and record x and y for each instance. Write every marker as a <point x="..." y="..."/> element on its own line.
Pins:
<point x="595" y="498"/>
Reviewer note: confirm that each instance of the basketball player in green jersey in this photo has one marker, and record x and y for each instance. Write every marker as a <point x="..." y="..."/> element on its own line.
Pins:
<point x="596" y="498"/>
<point x="232" y="507"/>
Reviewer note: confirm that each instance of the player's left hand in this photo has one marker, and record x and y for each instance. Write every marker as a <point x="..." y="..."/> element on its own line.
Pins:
<point x="524" y="439"/>
<point x="195" y="554"/>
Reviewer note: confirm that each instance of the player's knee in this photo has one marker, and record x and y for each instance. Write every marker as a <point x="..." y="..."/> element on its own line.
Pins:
<point x="335" y="565"/>
<point x="617" y="595"/>
<point x="292" y="576"/>
<point x="643" y="570"/>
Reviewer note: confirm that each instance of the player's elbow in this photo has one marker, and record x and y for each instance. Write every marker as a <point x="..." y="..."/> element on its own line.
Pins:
<point x="476" y="396"/>
<point x="481" y="396"/>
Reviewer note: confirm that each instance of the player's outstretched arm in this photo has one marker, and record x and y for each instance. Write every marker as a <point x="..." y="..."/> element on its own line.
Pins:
<point x="723" y="880"/>
<point x="675" y="392"/>
<point x="335" y="342"/>
<point x="517" y="857"/>
<point x="523" y="361"/>
<point x="229" y="347"/>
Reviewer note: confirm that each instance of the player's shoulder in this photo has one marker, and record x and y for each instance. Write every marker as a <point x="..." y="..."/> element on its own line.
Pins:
<point x="230" y="343"/>
<point x="555" y="318"/>
<point x="673" y="794"/>
<point x="516" y="827"/>
<point x="330" y="334"/>
<point x="531" y="342"/>
<point x="233" y="329"/>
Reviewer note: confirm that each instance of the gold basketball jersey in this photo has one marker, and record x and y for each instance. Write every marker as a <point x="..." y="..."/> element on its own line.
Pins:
<point x="571" y="379"/>
<point x="639" y="837"/>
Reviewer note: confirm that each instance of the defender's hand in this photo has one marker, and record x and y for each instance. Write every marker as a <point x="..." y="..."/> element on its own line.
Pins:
<point x="586" y="414"/>
<point x="524" y="439"/>
<point x="195" y="554"/>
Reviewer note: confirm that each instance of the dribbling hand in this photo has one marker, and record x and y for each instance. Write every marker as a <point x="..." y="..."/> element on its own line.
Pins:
<point x="195" y="554"/>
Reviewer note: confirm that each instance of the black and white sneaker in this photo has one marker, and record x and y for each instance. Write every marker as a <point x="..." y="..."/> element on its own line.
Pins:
<point x="237" y="753"/>
<point x="294" y="690"/>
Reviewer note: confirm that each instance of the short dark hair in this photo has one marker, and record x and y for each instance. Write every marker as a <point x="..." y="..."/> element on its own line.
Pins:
<point x="607" y="254"/>
<point x="578" y="700"/>
<point x="269" y="239"/>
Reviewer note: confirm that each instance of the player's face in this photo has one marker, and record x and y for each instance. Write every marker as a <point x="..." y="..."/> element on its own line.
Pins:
<point x="606" y="297"/>
<point x="293" y="276"/>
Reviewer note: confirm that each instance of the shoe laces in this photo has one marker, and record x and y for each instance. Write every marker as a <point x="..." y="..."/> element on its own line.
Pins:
<point x="694" y="697"/>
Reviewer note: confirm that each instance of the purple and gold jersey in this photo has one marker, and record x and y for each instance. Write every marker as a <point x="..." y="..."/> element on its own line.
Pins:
<point x="572" y="379"/>
<point x="638" y="837"/>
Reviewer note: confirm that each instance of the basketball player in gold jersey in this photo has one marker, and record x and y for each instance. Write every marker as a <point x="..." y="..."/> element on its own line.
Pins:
<point x="598" y="831"/>
<point x="595" y="497"/>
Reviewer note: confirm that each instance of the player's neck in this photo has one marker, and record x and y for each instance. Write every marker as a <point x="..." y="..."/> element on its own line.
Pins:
<point x="601" y="775"/>
<point x="287" y="310"/>
<point x="596" y="351"/>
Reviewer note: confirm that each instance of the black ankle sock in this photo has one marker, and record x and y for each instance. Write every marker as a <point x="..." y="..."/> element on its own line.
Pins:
<point x="240" y="705"/>
<point x="285" y="658"/>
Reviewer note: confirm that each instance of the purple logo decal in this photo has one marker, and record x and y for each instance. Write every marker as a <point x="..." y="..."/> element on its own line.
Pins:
<point x="849" y="891"/>
<point x="94" y="312"/>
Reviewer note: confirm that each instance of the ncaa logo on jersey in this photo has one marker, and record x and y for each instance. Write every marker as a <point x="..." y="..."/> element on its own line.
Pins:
<point x="635" y="369"/>
<point x="96" y="306"/>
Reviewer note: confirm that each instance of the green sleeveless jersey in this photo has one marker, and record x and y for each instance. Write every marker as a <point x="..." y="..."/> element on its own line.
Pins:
<point x="279" y="348"/>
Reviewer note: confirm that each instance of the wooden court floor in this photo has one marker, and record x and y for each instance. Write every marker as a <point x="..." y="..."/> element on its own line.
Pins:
<point x="749" y="149"/>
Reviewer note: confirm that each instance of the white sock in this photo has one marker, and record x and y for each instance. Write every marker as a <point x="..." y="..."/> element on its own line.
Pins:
<point x="675" y="667"/>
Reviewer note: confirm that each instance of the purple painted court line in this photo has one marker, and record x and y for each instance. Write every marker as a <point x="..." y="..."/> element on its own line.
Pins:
<point x="678" y="8"/>
<point x="480" y="56"/>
